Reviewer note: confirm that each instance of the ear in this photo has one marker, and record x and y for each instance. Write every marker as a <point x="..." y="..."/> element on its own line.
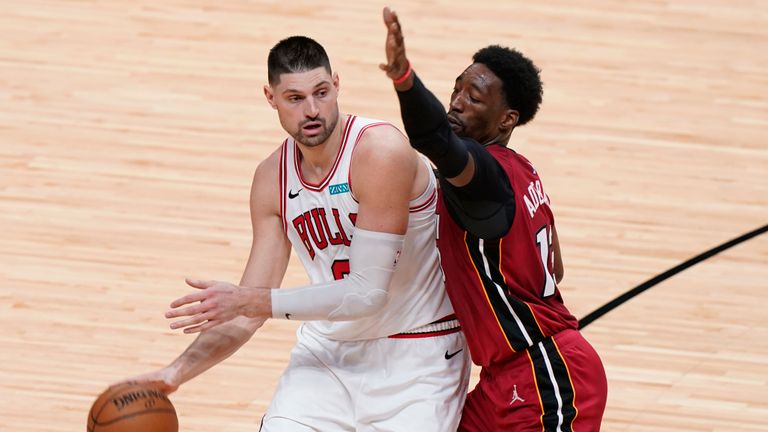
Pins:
<point x="270" y="95"/>
<point x="336" y="81"/>
<point x="509" y="121"/>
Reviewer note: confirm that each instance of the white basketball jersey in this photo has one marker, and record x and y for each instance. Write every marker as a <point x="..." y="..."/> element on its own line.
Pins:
<point x="319" y="220"/>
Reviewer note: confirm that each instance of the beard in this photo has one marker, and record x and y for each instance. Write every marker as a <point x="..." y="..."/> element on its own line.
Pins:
<point x="326" y="129"/>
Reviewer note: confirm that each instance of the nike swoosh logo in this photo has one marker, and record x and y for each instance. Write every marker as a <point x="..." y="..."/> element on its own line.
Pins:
<point x="292" y="195"/>
<point x="450" y="356"/>
<point x="288" y="316"/>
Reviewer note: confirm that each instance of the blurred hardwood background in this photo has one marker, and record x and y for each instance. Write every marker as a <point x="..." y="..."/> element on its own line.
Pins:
<point x="129" y="132"/>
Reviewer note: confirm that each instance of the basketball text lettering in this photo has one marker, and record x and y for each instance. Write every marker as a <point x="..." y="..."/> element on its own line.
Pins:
<point x="317" y="232"/>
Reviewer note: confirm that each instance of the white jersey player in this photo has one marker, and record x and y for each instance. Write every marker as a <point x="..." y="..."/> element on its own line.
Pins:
<point x="320" y="222"/>
<point x="319" y="219"/>
<point x="379" y="348"/>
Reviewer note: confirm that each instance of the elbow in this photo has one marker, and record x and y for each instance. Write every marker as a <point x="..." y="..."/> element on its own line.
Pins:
<point x="559" y="269"/>
<point x="373" y="303"/>
<point x="356" y="305"/>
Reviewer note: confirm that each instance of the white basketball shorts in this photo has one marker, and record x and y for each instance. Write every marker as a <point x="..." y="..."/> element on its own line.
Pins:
<point x="409" y="382"/>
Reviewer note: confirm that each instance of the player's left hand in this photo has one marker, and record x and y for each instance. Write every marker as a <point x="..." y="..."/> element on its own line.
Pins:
<point x="216" y="303"/>
<point x="397" y="62"/>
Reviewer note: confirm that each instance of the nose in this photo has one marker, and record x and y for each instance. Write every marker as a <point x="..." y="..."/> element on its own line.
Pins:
<point x="311" y="108"/>
<point x="457" y="102"/>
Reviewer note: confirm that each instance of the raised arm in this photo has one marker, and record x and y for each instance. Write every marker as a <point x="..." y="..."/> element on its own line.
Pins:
<point x="423" y="115"/>
<point x="476" y="189"/>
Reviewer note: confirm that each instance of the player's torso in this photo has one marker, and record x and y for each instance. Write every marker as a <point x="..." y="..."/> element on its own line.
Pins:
<point x="504" y="290"/>
<point x="319" y="220"/>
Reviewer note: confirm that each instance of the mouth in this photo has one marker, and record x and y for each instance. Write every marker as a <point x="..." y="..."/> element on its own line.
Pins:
<point x="312" y="127"/>
<point x="455" y="123"/>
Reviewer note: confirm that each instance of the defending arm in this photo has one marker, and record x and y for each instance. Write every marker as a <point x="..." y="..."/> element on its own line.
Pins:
<point x="428" y="129"/>
<point x="485" y="206"/>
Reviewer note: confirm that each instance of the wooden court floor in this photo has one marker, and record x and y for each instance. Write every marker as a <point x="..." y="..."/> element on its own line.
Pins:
<point x="129" y="132"/>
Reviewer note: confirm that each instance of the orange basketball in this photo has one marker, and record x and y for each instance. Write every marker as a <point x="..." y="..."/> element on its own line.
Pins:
<point x="132" y="407"/>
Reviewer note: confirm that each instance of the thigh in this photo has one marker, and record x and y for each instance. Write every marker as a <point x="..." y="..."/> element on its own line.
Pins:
<point x="571" y="382"/>
<point x="505" y="400"/>
<point x="558" y="384"/>
<point x="416" y="384"/>
<point x="479" y="413"/>
<point x="309" y="395"/>
<point x="589" y="381"/>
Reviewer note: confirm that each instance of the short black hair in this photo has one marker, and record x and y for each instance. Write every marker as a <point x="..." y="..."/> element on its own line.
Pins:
<point x="519" y="76"/>
<point x="295" y="54"/>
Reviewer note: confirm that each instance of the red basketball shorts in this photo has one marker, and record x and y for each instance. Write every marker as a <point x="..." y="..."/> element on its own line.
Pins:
<point x="558" y="384"/>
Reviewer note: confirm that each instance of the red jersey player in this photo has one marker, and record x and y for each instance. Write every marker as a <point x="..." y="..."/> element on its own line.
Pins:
<point x="499" y="246"/>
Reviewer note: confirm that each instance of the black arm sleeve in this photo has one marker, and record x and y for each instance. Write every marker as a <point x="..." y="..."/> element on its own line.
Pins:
<point x="485" y="206"/>
<point x="428" y="129"/>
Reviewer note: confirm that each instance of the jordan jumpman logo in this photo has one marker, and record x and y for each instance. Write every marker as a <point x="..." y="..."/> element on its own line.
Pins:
<point x="515" y="396"/>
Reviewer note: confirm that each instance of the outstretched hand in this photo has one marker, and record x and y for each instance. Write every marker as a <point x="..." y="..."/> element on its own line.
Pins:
<point x="216" y="303"/>
<point x="397" y="63"/>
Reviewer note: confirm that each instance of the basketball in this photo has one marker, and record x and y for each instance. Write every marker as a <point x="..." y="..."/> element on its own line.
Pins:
<point x="132" y="407"/>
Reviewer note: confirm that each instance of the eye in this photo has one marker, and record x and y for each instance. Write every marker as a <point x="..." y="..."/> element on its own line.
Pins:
<point x="294" y="98"/>
<point x="322" y="93"/>
<point x="474" y="96"/>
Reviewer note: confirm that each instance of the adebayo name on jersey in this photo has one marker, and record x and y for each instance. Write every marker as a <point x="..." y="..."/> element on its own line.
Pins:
<point x="534" y="197"/>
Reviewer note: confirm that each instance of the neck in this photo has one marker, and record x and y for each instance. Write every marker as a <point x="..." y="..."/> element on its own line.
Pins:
<point x="317" y="160"/>
<point x="501" y="139"/>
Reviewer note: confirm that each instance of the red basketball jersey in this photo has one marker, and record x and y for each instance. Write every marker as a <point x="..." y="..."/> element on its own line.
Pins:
<point x="504" y="291"/>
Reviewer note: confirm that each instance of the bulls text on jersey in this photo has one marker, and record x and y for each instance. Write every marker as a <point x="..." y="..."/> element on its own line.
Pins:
<point x="316" y="232"/>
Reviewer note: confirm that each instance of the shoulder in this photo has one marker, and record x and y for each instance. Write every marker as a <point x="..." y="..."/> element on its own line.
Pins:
<point x="502" y="152"/>
<point x="383" y="160"/>
<point x="269" y="168"/>
<point x="510" y="160"/>
<point x="522" y="163"/>
<point x="381" y="130"/>
<point x="379" y="141"/>
<point x="265" y="190"/>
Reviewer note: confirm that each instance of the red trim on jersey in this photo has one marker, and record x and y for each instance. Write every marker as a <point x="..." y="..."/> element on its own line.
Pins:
<point x="354" y="147"/>
<point x="283" y="183"/>
<point x="425" y="335"/>
<point x="419" y="207"/>
<point x="324" y="182"/>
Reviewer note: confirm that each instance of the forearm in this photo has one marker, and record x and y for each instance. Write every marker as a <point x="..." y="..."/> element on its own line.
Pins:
<point x="211" y="347"/>
<point x="373" y="257"/>
<point x="559" y="268"/>
<point x="430" y="133"/>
